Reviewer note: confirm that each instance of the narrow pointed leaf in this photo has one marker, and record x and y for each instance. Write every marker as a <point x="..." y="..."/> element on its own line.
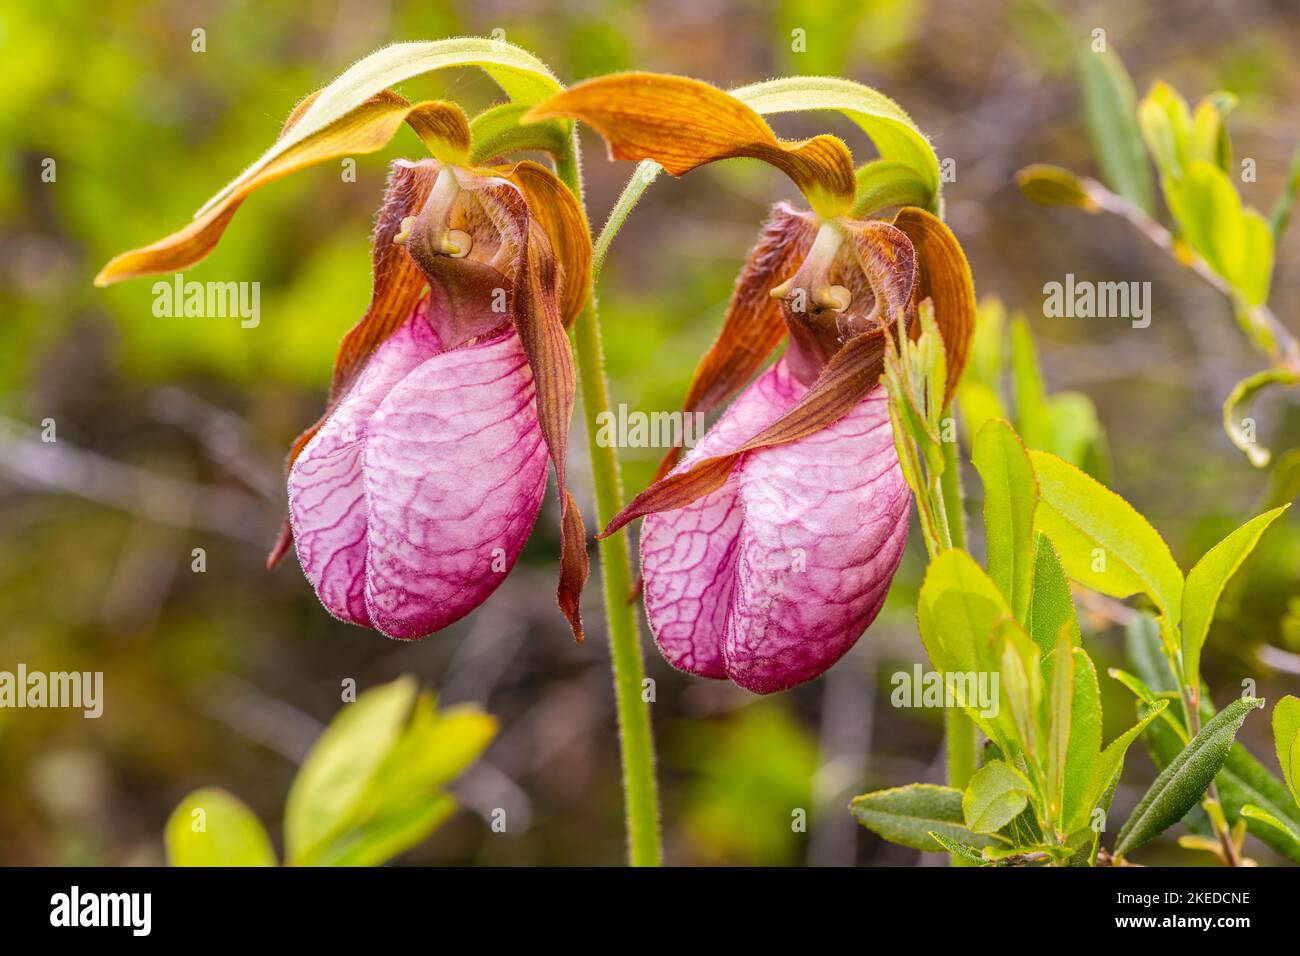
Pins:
<point x="1242" y="780"/>
<point x="1110" y="107"/>
<point x="1183" y="783"/>
<point x="1237" y="403"/>
<point x="963" y="850"/>
<point x="1256" y="814"/>
<point x="1205" y="583"/>
<point x="1084" y="748"/>
<point x="330" y="787"/>
<point x="1059" y="706"/>
<point x="1109" y="765"/>
<point x="1010" y="497"/>
<point x="1051" y="606"/>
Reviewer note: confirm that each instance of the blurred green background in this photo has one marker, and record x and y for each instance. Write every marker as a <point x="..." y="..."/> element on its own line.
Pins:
<point x="171" y="432"/>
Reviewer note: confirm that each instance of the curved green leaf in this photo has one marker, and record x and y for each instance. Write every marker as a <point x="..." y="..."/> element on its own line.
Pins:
<point x="396" y="827"/>
<point x="1242" y="394"/>
<point x="1109" y="765"/>
<point x="1084" y="749"/>
<point x="523" y="77"/>
<point x="498" y="132"/>
<point x="1252" y="812"/>
<point x="883" y="183"/>
<point x="966" y="852"/>
<point x="1242" y="780"/>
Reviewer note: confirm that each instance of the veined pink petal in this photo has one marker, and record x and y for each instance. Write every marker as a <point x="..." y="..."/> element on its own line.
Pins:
<point x="772" y="578"/>
<point x="825" y="524"/>
<point x="688" y="556"/>
<point x="327" y="508"/>
<point x="455" y="470"/>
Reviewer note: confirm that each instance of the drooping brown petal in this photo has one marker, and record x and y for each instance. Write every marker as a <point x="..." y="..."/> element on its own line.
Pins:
<point x="366" y="129"/>
<point x="558" y="213"/>
<point x="753" y="326"/>
<point x="943" y="276"/>
<point x="537" y="320"/>
<point x="398" y="287"/>
<point x="682" y="123"/>
<point x="847" y="378"/>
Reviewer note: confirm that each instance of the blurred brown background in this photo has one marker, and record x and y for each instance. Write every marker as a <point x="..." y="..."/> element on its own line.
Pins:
<point x="171" y="431"/>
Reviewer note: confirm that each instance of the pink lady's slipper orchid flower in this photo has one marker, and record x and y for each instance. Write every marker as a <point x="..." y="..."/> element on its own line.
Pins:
<point x="413" y="496"/>
<point x="768" y="550"/>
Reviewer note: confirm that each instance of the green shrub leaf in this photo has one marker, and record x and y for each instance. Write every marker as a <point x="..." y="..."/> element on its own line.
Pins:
<point x="1053" y="186"/>
<point x="1110" y="108"/>
<point x="994" y="797"/>
<point x="1084" y="749"/>
<point x="1254" y="813"/>
<point x="1050" y="605"/>
<point x="1286" y="738"/>
<point x="1102" y="540"/>
<point x="1182" y="784"/>
<point x="332" y="783"/>
<point x="1010" y="497"/>
<point x="211" y="827"/>
<point x="908" y="815"/>
<point x="1205" y="582"/>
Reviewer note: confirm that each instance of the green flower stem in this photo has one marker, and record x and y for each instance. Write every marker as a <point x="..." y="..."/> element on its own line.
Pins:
<point x="640" y="791"/>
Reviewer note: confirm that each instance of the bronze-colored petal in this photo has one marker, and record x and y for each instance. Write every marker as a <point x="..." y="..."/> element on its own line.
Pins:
<point x="848" y="377"/>
<point x="366" y="129"/>
<point x="944" y="277"/>
<point x="682" y="123"/>
<point x="557" y="211"/>
<point x="753" y="325"/>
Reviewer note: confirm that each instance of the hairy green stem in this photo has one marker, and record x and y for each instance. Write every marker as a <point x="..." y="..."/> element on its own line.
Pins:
<point x="636" y="739"/>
